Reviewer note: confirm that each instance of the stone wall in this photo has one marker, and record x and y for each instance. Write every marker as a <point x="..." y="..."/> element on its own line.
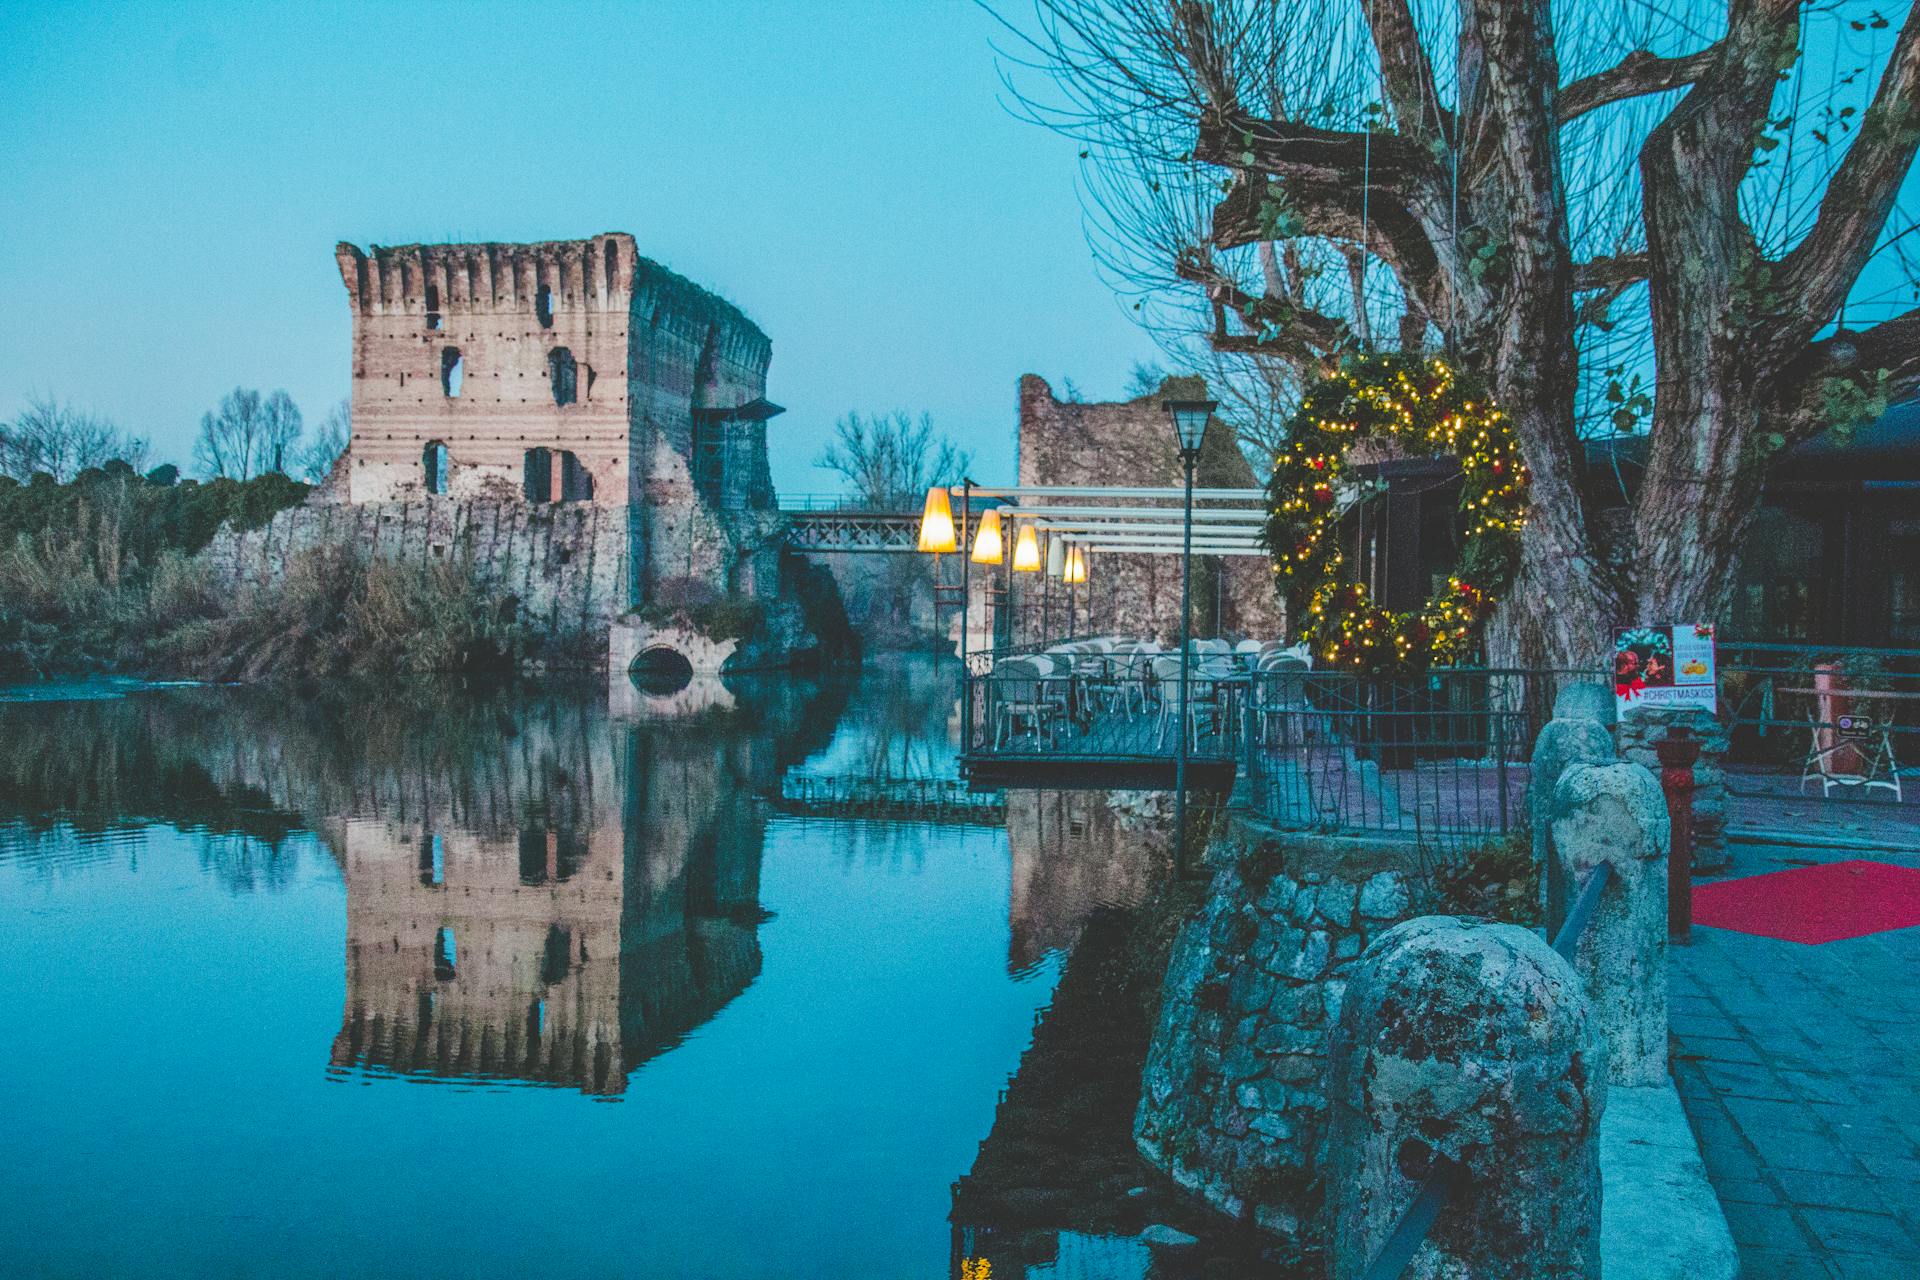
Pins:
<point x="1131" y="443"/>
<point x="504" y="309"/>
<point x="566" y="564"/>
<point x="665" y="420"/>
<point x="1233" y="1105"/>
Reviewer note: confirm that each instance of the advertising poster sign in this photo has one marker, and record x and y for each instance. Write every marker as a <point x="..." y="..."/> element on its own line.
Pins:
<point x="1664" y="667"/>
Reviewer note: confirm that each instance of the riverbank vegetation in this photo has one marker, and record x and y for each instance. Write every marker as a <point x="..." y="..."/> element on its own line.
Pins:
<point x="99" y="575"/>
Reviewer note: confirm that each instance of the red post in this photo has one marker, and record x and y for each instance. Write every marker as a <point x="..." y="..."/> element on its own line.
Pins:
<point x="1677" y="752"/>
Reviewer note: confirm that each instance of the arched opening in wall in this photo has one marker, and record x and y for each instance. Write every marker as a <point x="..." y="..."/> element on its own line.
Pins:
<point x="556" y="957"/>
<point x="452" y="371"/>
<point x="533" y="856"/>
<point x="433" y="861"/>
<point x="543" y="307"/>
<point x="434" y="461"/>
<point x="433" y="306"/>
<point x="537" y="475"/>
<point x="576" y="482"/>
<point x="565" y="375"/>
<point x="660" y="670"/>
<point x="612" y="259"/>
<point x="446" y="955"/>
<point x="569" y="853"/>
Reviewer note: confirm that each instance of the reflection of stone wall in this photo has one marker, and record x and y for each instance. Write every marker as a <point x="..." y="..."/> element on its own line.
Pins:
<point x="534" y="984"/>
<point x="1072" y="855"/>
<point x="577" y="950"/>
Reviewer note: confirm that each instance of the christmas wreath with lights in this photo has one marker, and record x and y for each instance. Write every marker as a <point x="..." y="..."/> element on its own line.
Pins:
<point x="1421" y="408"/>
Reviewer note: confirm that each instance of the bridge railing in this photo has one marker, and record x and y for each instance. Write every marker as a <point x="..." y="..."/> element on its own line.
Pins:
<point x="804" y="502"/>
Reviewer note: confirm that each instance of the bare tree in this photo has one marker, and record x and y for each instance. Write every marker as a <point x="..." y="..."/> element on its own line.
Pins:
<point x="1144" y="380"/>
<point x="280" y="426"/>
<point x="248" y="434"/>
<point x="1704" y="195"/>
<point x="63" y="441"/>
<point x="890" y="460"/>
<point x="329" y="441"/>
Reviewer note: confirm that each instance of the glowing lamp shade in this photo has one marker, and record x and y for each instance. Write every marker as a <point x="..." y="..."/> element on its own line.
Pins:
<point x="1056" y="556"/>
<point x="1076" y="566"/>
<point x="1189" y="421"/>
<point x="986" y="543"/>
<point x="936" y="523"/>
<point x="1026" y="550"/>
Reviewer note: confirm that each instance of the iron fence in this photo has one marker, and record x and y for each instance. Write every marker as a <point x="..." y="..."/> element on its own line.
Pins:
<point x="925" y="799"/>
<point x="1441" y="757"/>
<point x="1092" y="707"/>
<point x="1842" y="719"/>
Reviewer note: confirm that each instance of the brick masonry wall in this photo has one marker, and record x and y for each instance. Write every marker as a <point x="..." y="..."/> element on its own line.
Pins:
<point x="652" y="350"/>
<point x="488" y="297"/>
<point x="1131" y="443"/>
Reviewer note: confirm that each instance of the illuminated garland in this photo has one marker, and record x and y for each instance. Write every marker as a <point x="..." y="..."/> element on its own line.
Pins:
<point x="1426" y="409"/>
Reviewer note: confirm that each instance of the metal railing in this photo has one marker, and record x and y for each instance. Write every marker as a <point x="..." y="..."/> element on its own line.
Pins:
<point x="842" y="502"/>
<point x="1093" y="707"/>
<point x="1835" y="715"/>
<point x="1447" y="1178"/>
<point x="1439" y="757"/>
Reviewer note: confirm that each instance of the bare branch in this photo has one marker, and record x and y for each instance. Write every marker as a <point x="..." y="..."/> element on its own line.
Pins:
<point x="1619" y="269"/>
<point x="1821" y="270"/>
<point x="1638" y="74"/>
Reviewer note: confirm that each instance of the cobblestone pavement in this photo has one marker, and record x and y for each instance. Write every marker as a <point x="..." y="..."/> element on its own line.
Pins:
<point x="1777" y="802"/>
<point x="1799" y="1067"/>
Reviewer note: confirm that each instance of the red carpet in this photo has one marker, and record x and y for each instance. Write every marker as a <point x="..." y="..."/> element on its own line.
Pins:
<point x="1813" y="904"/>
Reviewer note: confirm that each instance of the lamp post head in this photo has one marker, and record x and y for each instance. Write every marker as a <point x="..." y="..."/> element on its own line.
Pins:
<point x="1189" y="423"/>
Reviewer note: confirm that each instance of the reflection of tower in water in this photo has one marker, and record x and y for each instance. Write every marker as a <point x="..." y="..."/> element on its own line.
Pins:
<point x="594" y="904"/>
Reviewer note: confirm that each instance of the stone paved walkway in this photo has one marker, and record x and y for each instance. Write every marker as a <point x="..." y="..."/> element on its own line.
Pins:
<point x="1799" y="1067"/>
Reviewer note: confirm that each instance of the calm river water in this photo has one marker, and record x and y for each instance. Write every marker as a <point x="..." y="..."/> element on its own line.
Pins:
<point x="472" y="985"/>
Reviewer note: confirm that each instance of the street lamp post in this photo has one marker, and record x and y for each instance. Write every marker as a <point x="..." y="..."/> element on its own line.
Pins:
<point x="1189" y="428"/>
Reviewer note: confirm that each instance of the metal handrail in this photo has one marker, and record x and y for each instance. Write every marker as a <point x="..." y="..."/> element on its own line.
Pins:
<point x="1446" y="1178"/>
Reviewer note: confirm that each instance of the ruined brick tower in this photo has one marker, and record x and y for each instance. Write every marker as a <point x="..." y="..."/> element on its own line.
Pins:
<point x="569" y="371"/>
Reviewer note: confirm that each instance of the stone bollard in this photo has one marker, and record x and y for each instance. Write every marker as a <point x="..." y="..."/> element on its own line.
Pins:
<point x="1615" y="813"/>
<point x="1585" y="700"/>
<point x="1471" y="1041"/>
<point x="1562" y="742"/>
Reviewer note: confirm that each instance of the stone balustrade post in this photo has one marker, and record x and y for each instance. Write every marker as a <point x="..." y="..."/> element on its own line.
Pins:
<point x="1576" y="735"/>
<point x="1616" y="814"/>
<point x="1474" y="1042"/>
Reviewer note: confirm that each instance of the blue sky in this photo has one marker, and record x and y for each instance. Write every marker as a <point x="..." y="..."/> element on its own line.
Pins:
<point x="176" y="175"/>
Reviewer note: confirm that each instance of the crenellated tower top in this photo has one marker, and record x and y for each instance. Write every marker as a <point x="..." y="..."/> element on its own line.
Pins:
<point x="486" y="279"/>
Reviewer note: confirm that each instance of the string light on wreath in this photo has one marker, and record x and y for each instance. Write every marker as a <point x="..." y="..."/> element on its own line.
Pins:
<point x="1425" y="409"/>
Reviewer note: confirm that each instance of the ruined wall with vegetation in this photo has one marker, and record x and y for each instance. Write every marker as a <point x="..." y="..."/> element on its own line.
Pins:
<point x="1131" y="443"/>
<point x="564" y="566"/>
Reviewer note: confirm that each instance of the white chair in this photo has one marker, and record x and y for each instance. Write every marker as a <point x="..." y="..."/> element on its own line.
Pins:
<point x="1019" y="698"/>
<point x="1871" y="754"/>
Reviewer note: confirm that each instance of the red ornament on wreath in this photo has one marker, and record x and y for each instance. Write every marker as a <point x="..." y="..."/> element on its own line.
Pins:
<point x="1425" y="408"/>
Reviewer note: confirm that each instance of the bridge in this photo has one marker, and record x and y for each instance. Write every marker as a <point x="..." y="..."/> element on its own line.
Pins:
<point x="836" y="522"/>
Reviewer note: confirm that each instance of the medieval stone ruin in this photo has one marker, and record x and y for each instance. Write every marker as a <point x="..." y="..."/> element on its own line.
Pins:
<point x="583" y="425"/>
